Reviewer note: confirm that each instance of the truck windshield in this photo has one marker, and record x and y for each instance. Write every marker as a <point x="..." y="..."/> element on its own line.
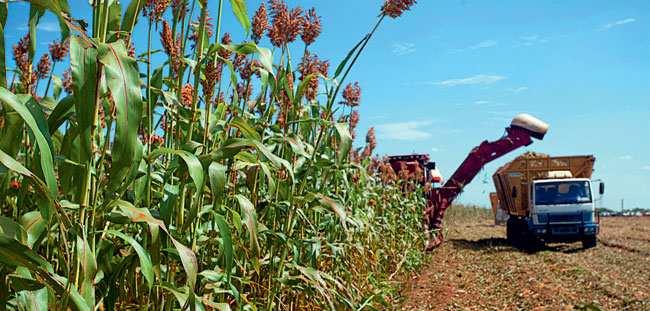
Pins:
<point x="562" y="192"/>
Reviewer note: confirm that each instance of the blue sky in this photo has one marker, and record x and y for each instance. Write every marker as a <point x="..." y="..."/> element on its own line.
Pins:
<point x="449" y="74"/>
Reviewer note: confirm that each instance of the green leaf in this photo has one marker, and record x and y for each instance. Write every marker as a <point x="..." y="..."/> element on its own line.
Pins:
<point x="250" y="220"/>
<point x="15" y="166"/>
<point x="46" y="162"/>
<point x="188" y="258"/>
<point x="63" y="110"/>
<point x="89" y="269"/>
<point x="131" y="15"/>
<point x="58" y="87"/>
<point x="123" y="80"/>
<point x="12" y="229"/>
<point x="346" y="141"/>
<point x="336" y="208"/>
<point x="83" y="62"/>
<point x="340" y="67"/>
<point x="145" y="261"/>
<point x="34" y="225"/>
<point x="193" y="164"/>
<point x="226" y="238"/>
<point x="247" y="130"/>
<point x="60" y="8"/>
<point x="217" y="174"/>
<point x="240" y="11"/>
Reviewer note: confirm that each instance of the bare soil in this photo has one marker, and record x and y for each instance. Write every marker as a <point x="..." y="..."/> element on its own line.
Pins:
<point x="476" y="269"/>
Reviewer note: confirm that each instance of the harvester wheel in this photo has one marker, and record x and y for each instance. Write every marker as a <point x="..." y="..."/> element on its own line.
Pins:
<point x="589" y="242"/>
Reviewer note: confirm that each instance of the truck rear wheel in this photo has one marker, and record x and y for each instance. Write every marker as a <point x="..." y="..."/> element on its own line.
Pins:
<point x="589" y="241"/>
<point x="512" y="230"/>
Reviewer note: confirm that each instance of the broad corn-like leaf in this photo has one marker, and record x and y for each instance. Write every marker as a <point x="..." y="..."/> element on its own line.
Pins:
<point x="240" y="11"/>
<point x="226" y="238"/>
<point x="131" y="14"/>
<point x="346" y="141"/>
<point x="217" y="174"/>
<point x="123" y="81"/>
<point x="83" y="61"/>
<point x="145" y="261"/>
<point x="250" y="220"/>
<point x="46" y="162"/>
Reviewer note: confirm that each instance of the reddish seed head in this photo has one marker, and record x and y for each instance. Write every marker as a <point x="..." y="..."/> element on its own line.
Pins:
<point x="67" y="81"/>
<point x="155" y="9"/>
<point x="14" y="184"/>
<point x="21" y="54"/>
<point x="311" y="27"/>
<point x="395" y="8"/>
<point x="212" y="72"/>
<point x="187" y="94"/>
<point x="44" y="67"/>
<point x="371" y="143"/>
<point x="354" y="121"/>
<point x="58" y="50"/>
<point x="286" y="23"/>
<point x="352" y="95"/>
<point x="225" y="40"/>
<point x="244" y="90"/>
<point x="260" y="23"/>
<point x="172" y="47"/>
<point x="311" y="65"/>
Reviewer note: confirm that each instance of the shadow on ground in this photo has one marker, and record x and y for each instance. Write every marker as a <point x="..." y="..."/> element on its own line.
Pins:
<point x="501" y="244"/>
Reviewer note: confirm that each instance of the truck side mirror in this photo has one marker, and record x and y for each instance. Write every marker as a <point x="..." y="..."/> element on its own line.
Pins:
<point x="601" y="188"/>
<point x="514" y="192"/>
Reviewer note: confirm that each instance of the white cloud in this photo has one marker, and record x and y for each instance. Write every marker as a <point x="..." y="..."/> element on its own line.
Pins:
<point x="483" y="45"/>
<point x="618" y="23"/>
<point x="481" y="102"/>
<point x="44" y="26"/>
<point x="518" y="90"/>
<point x="531" y="40"/>
<point x="625" y="157"/>
<point x="481" y="79"/>
<point x="434" y="149"/>
<point x="403" y="48"/>
<point x="411" y="130"/>
<point x="646" y="168"/>
<point x="48" y="26"/>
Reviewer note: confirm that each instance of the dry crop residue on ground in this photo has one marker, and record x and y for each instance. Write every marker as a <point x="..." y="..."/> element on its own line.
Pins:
<point x="476" y="269"/>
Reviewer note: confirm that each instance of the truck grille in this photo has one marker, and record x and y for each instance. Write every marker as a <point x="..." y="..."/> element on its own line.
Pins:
<point x="554" y="218"/>
<point x="565" y="230"/>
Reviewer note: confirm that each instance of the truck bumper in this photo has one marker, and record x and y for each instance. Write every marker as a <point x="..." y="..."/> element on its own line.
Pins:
<point x="563" y="232"/>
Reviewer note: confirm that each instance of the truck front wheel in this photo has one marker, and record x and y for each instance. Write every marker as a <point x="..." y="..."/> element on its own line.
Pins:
<point x="589" y="241"/>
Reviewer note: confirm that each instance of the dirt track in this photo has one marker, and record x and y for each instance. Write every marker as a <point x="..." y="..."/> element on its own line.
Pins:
<point x="476" y="269"/>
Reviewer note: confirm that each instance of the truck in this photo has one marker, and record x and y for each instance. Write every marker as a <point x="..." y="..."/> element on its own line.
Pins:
<point x="549" y="199"/>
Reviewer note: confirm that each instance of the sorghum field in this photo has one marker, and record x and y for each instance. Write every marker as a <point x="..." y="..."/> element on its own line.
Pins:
<point x="223" y="177"/>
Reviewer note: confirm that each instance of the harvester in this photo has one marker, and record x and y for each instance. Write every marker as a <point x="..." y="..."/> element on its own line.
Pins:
<point x="521" y="132"/>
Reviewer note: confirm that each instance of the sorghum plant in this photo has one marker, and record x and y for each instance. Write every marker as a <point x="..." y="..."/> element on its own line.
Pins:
<point x="215" y="179"/>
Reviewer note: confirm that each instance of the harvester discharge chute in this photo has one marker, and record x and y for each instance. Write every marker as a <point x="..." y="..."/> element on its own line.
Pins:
<point x="522" y="129"/>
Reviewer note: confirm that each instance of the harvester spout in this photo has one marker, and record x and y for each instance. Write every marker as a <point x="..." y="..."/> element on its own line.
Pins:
<point x="535" y="127"/>
<point x="522" y="129"/>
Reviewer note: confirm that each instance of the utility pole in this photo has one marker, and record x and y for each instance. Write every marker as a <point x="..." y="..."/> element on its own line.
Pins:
<point x="622" y="205"/>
